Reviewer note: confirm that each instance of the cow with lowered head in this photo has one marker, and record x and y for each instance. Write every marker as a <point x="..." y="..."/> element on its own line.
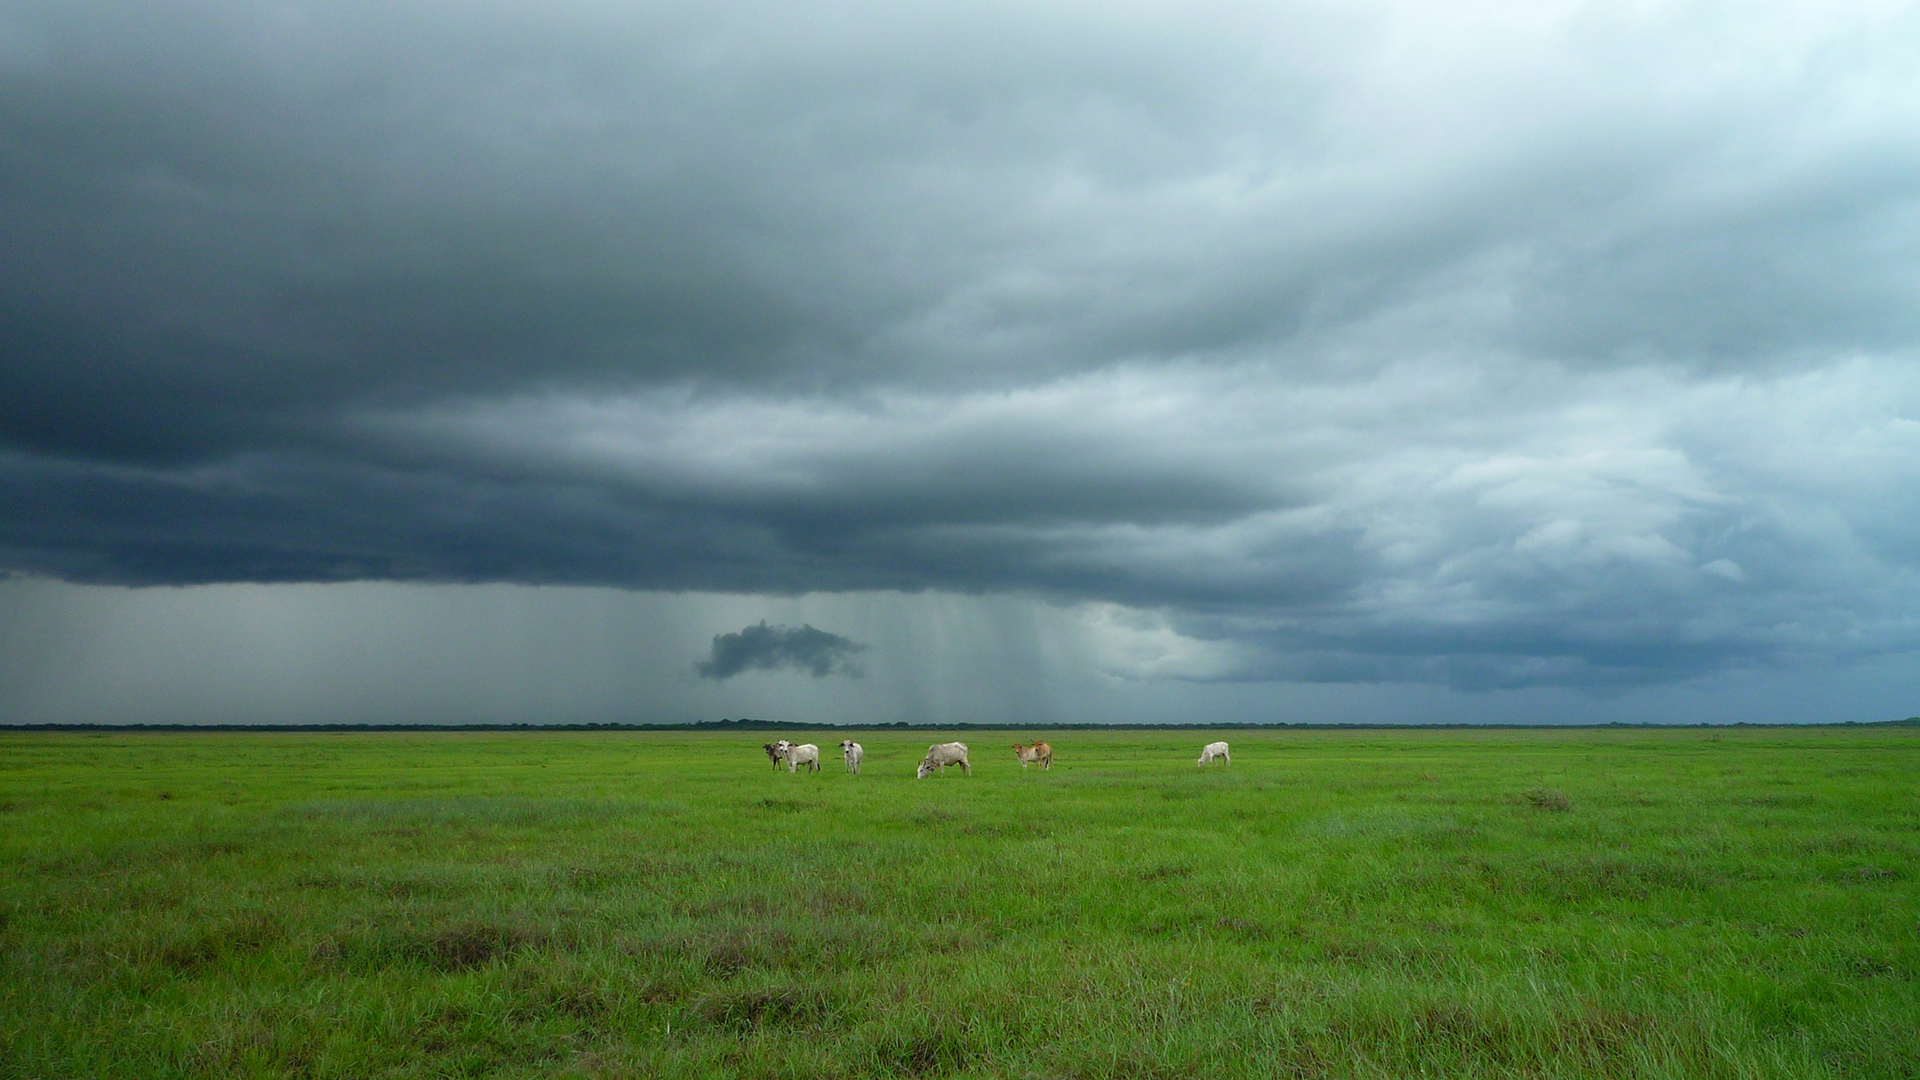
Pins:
<point x="941" y="755"/>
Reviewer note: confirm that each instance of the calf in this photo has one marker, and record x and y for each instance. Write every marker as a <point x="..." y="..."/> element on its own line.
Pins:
<point x="941" y="755"/>
<point x="1215" y="750"/>
<point x="1039" y="752"/>
<point x="773" y="753"/>
<point x="852" y="752"/>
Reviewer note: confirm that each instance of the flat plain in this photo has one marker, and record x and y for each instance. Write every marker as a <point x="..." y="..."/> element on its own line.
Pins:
<point x="1478" y="903"/>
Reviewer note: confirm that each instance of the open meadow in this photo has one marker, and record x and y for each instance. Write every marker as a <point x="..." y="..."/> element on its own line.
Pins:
<point x="1537" y="903"/>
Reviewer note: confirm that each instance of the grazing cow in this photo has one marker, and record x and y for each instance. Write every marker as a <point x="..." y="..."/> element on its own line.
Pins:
<point x="1215" y="750"/>
<point x="773" y="753"/>
<point x="805" y="754"/>
<point x="941" y="755"/>
<point x="1039" y="752"/>
<point x="852" y="752"/>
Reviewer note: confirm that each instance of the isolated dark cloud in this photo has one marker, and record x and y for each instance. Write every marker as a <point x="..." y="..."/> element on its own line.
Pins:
<point x="1483" y="346"/>
<point x="771" y="648"/>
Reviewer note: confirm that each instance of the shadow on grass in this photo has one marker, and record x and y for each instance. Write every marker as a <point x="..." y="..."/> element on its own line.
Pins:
<point x="458" y="946"/>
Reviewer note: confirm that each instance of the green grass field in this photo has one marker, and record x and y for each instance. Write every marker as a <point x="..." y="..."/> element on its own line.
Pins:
<point x="1373" y="904"/>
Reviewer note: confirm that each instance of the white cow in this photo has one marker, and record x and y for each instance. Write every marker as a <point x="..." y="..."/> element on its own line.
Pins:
<point x="852" y="752"/>
<point x="941" y="755"/>
<point x="805" y="754"/>
<point x="1215" y="750"/>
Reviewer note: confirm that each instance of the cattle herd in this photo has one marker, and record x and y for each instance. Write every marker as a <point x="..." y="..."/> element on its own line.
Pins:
<point x="939" y="756"/>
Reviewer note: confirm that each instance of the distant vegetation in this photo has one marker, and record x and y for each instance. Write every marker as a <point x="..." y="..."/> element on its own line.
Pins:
<point x="1548" y="903"/>
<point x="745" y="724"/>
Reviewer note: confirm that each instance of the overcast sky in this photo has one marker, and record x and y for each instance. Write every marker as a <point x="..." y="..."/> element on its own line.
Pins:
<point x="1034" y="362"/>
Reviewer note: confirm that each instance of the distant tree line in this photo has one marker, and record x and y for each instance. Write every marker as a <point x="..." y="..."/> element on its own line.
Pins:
<point x="747" y="724"/>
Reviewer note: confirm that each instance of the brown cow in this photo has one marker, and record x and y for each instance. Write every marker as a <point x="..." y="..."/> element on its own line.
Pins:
<point x="1040" y="752"/>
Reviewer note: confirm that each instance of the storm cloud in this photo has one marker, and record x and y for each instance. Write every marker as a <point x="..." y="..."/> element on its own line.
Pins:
<point x="771" y="648"/>
<point x="1485" y="346"/>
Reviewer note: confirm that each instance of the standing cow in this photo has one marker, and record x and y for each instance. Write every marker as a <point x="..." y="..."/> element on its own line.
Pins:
<point x="773" y="753"/>
<point x="852" y="752"/>
<point x="805" y="754"/>
<point x="1039" y="752"/>
<point x="1215" y="751"/>
<point x="941" y="755"/>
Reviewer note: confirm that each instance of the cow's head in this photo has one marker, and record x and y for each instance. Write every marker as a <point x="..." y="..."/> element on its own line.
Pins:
<point x="926" y="766"/>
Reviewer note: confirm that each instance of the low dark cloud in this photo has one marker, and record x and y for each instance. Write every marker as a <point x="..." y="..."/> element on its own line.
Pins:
<point x="1387" y="343"/>
<point x="772" y="648"/>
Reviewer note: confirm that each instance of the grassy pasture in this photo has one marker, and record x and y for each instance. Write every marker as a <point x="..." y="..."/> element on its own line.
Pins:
<point x="1369" y="904"/>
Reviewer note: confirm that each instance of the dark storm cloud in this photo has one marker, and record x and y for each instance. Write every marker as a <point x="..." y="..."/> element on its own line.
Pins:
<point x="771" y="648"/>
<point x="1482" y="346"/>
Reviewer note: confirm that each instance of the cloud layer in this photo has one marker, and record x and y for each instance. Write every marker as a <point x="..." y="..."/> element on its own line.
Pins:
<point x="1485" y="345"/>
<point x="772" y="648"/>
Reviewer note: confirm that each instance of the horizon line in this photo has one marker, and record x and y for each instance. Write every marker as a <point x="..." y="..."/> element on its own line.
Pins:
<point x="745" y="724"/>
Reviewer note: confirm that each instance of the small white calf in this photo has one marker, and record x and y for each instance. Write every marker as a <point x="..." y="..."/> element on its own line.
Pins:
<point x="1215" y="750"/>
<point x="805" y="754"/>
<point x="941" y="755"/>
<point x="852" y="752"/>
